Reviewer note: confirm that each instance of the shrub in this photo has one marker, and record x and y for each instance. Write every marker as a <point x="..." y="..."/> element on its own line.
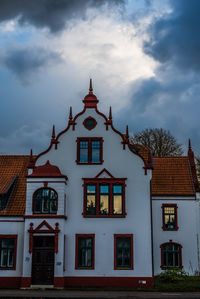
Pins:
<point x="172" y="275"/>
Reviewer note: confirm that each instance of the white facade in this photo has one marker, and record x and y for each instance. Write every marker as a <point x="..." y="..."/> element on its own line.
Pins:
<point x="142" y="218"/>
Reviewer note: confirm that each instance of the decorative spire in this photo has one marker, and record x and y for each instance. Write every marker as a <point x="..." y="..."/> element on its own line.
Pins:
<point x="127" y="134"/>
<point x="110" y="114"/>
<point x="90" y="100"/>
<point x="189" y="145"/>
<point x="90" y="87"/>
<point x="53" y="132"/>
<point x="31" y="155"/>
<point x="70" y="113"/>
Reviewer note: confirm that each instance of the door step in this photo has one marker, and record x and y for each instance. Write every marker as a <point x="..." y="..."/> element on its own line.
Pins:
<point x="41" y="286"/>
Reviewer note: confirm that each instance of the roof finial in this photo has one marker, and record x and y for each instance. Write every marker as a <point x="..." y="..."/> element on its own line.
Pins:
<point x="189" y="144"/>
<point x="53" y="132"/>
<point x="70" y="113"/>
<point x="127" y="134"/>
<point x="110" y="114"/>
<point x="31" y="155"/>
<point x="90" y="88"/>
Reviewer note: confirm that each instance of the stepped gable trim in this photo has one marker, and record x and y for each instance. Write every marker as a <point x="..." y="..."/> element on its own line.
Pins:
<point x="108" y="122"/>
<point x="47" y="170"/>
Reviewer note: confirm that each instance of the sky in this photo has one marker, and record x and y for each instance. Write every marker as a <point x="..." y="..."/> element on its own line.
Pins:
<point x="142" y="55"/>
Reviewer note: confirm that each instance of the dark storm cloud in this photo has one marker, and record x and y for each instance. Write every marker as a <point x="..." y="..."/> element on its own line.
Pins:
<point x="175" y="38"/>
<point x="23" y="62"/>
<point x="53" y="14"/>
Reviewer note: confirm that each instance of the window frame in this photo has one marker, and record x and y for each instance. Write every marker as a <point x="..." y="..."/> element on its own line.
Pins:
<point x="89" y="139"/>
<point x="15" y="250"/>
<point x="85" y="236"/>
<point x="41" y="213"/>
<point x="115" y="251"/>
<point x="169" y="205"/>
<point x="104" y="181"/>
<point x="180" y="256"/>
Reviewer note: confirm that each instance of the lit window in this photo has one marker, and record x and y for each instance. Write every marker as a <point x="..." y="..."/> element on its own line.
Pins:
<point x="45" y="201"/>
<point x="7" y="252"/>
<point x="171" y="255"/>
<point x="104" y="198"/>
<point x="169" y="216"/>
<point x="123" y="245"/>
<point x="85" y="251"/>
<point x="89" y="151"/>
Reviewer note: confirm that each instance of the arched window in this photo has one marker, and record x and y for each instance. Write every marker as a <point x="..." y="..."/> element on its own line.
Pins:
<point x="171" y="255"/>
<point x="45" y="201"/>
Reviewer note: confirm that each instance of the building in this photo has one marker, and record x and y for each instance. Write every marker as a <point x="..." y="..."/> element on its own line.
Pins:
<point x="95" y="210"/>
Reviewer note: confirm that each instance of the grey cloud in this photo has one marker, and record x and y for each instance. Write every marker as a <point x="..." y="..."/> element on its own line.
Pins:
<point x="52" y="14"/>
<point x="175" y="38"/>
<point x="24" y="62"/>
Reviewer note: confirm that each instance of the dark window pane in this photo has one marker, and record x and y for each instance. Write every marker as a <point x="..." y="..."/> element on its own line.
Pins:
<point x="85" y="246"/>
<point x="7" y="253"/>
<point x="45" y="201"/>
<point x="83" y="146"/>
<point x="95" y="151"/>
<point x="123" y="252"/>
<point x="171" y="255"/>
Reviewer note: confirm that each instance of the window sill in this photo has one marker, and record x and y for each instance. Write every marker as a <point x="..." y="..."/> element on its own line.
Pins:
<point x="118" y="268"/>
<point x="104" y="216"/>
<point x="84" y="268"/>
<point x="45" y="216"/>
<point x="171" y="268"/>
<point x="6" y="268"/>
<point x="89" y="163"/>
<point x="170" y="229"/>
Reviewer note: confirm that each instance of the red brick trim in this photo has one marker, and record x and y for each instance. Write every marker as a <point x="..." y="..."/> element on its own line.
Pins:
<point x="109" y="281"/>
<point x="93" y="251"/>
<point x="169" y="205"/>
<point x="89" y="139"/>
<point x="161" y="247"/>
<point x="10" y="282"/>
<point x="25" y="282"/>
<point x="15" y="250"/>
<point x="59" y="282"/>
<point x="88" y="118"/>
<point x="115" y="250"/>
<point x="110" y="182"/>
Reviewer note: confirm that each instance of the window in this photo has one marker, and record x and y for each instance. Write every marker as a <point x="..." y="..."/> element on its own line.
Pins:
<point x="8" y="245"/>
<point x="84" y="251"/>
<point x="45" y="201"/>
<point x="104" y="198"/>
<point x="89" y="151"/>
<point x="90" y="123"/>
<point x="169" y="212"/>
<point x="123" y="252"/>
<point x="171" y="255"/>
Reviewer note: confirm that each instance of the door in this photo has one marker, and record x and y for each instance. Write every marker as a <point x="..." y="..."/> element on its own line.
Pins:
<point x="43" y="260"/>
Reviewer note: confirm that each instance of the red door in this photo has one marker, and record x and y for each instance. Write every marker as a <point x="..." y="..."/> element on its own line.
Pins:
<point x="43" y="260"/>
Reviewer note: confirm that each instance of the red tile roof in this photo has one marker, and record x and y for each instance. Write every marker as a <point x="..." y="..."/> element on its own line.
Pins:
<point x="172" y="176"/>
<point x="11" y="166"/>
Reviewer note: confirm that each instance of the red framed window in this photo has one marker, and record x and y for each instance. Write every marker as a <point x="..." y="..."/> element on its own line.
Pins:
<point x="104" y="198"/>
<point x="171" y="255"/>
<point x="89" y="150"/>
<point x="8" y="249"/>
<point x="169" y="216"/>
<point x="85" y="244"/>
<point x="45" y="201"/>
<point x="123" y="252"/>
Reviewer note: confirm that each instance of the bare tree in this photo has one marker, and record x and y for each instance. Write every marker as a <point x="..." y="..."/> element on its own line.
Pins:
<point x="197" y="160"/>
<point x="160" y="142"/>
